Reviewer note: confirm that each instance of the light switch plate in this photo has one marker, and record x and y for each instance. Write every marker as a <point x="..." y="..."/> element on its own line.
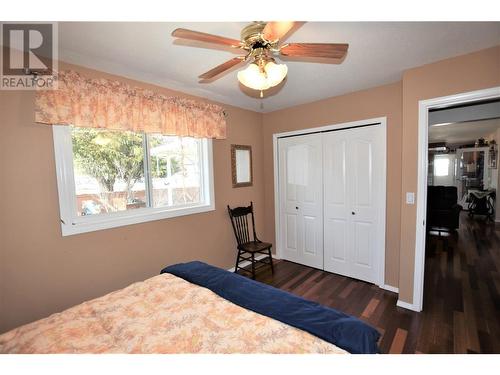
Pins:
<point x="410" y="198"/>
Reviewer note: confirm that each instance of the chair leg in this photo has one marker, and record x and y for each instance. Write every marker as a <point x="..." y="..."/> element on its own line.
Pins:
<point x="253" y="266"/>
<point x="271" y="260"/>
<point x="237" y="262"/>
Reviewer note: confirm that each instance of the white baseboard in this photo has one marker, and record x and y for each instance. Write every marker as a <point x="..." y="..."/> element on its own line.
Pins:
<point x="390" y="288"/>
<point x="408" y="306"/>
<point x="247" y="263"/>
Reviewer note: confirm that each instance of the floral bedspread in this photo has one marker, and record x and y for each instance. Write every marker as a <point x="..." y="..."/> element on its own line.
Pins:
<point x="164" y="314"/>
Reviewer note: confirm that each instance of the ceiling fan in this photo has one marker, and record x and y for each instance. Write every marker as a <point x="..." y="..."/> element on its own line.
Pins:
<point x="260" y="41"/>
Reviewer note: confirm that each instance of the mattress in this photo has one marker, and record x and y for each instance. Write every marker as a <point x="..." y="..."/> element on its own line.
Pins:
<point x="164" y="314"/>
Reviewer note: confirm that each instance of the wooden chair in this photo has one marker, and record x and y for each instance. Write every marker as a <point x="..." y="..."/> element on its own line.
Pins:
<point x="248" y="247"/>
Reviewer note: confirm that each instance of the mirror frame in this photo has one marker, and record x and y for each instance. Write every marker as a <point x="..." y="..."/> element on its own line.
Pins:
<point x="234" y="148"/>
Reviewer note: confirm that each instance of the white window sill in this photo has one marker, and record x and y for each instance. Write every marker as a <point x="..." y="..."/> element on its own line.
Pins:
<point x="140" y="215"/>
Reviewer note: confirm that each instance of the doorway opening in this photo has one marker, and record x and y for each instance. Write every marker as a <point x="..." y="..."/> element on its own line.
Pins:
<point x="456" y="196"/>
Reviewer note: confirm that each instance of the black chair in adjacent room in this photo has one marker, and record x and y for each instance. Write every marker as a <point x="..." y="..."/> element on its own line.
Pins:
<point x="482" y="203"/>
<point x="248" y="246"/>
<point x="443" y="212"/>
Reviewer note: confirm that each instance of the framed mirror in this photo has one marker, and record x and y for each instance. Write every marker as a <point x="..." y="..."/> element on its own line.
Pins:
<point x="241" y="165"/>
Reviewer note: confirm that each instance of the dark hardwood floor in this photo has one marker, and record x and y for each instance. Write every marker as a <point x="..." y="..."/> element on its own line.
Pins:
<point x="461" y="295"/>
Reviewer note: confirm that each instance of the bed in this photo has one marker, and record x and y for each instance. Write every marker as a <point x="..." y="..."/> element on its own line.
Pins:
<point x="193" y="308"/>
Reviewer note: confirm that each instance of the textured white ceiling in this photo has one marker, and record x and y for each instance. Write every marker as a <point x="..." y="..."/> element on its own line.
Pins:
<point x="378" y="54"/>
<point x="463" y="131"/>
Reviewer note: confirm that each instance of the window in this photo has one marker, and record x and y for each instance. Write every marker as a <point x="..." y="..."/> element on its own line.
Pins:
<point x="441" y="166"/>
<point x="110" y="178"/>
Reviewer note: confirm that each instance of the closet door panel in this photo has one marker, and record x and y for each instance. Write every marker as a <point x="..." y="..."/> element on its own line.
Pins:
<point x="336" y="202"/>
<point x="362" y="241"/>
<point x="335" y="242"/>
<point x="311" y="236"/>
<point x="362" y="170"/>
<point x="291" y="232"/>
<point x="365" y="174"/>
<point x="301" y="191"/>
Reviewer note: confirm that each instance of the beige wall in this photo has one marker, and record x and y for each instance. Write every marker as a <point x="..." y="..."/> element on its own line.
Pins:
<point x="42" y="272"/>
<point x="470" y="72"/>
<point x="377" y="102"/>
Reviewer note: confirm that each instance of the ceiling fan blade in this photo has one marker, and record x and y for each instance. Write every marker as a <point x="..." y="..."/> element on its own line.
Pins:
<point x="276" y="30"/>
<point x="203" y="37"/>
<point x="325" y="50"/>
<point x="221" y="68"/>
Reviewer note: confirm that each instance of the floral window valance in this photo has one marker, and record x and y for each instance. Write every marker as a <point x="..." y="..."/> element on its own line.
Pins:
<point x="104" y="103"/>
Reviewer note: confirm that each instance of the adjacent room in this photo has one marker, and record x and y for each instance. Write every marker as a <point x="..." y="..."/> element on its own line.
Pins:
<point x="250" y="187"/>
<point x="462" y="242"/>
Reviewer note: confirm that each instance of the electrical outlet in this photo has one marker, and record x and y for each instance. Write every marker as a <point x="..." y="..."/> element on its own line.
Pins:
<point x="410" y="198"/>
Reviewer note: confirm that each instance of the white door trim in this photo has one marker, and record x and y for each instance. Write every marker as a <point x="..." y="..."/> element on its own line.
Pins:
<point x="423" y="114"/>
<point x="378" y="120"/>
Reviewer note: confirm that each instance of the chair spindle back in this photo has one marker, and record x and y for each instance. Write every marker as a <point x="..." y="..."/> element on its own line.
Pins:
<point x="239" y="220"/>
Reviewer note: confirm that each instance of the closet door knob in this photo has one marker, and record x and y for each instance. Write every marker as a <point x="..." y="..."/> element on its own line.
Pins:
<point x="353" y="213"/>
<point x="296" y="207"/>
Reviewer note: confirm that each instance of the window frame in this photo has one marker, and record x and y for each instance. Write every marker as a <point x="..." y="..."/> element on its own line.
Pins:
<point x="72" y="224"/>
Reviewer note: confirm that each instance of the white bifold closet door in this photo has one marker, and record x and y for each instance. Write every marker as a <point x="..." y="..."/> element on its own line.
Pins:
<point x="353" y="172"/>
<point x="301" y="203"/>
<point x="330" y="200"/>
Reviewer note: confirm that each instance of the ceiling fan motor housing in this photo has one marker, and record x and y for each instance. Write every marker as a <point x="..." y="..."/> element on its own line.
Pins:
<point x="251" y="35"/>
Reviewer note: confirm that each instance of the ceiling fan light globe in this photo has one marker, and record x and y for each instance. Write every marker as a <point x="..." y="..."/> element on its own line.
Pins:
<point x="275" y="73"/>
<point x="253" y="78"/>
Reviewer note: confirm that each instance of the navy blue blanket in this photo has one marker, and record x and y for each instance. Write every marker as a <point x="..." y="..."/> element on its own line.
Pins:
<point x="326" y="323"/>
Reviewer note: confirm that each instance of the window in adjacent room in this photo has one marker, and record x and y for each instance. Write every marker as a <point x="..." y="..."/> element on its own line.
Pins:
<point x="441" y="167"/>
<point x="113" y="178"/>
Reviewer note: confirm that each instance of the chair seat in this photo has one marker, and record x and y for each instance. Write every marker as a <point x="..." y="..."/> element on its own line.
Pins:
<point x="253" y="247"/>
